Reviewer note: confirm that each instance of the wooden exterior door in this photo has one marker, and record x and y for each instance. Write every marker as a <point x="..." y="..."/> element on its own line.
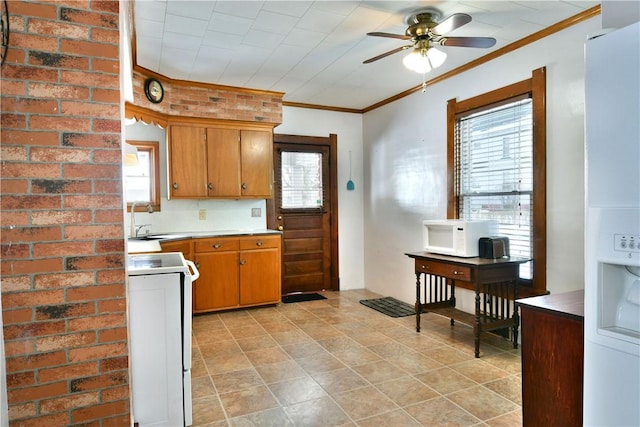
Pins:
<point x="305" y="208"/>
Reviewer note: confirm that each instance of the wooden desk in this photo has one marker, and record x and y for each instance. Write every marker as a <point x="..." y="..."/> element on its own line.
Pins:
<point x="552" y="359"/>
<point x="495" y="282"/>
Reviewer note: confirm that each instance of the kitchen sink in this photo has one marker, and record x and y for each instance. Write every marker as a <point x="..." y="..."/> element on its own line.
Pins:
<point x="147" y="238"/>
<point x="161" y="236"/>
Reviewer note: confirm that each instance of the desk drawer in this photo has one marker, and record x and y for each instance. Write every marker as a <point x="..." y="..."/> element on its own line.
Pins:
<point x="445" y="270"/>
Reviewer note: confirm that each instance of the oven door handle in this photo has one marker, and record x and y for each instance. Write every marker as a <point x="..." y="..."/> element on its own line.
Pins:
<point x="194" y="270"/>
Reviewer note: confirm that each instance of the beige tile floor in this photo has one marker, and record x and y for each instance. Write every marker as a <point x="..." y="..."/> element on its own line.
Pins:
<point x="335" y="362"/>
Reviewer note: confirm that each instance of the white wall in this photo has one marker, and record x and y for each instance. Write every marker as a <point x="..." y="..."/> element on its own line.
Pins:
<point x="4" y="409"/>
<point x="348" y="128"/>
<point x="405" y="164"/>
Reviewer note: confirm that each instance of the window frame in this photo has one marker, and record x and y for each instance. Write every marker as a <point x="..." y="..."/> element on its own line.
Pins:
<point x="153" y="147"/>
<point x="534" y="88"/>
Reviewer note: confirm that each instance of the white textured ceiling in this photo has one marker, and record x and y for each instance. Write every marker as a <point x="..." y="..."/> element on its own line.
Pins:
<point x="312" y="51"/>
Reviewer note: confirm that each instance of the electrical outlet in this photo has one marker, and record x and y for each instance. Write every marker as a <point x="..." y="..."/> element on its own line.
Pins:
<point x="202" y="214"/>
<point x="256" y="212"/>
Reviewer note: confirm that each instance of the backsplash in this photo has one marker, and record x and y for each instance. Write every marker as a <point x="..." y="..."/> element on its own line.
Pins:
<point x="201" y="215"/>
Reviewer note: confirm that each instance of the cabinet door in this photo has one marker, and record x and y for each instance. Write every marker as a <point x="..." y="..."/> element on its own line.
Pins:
<point x="223" y="162"/>
<point x="183" y="246"/>
<point x="217" y="287"/>
<point x="260" y="276"/>
<point x="187" y="162"/>
<point x="257" y="163"/>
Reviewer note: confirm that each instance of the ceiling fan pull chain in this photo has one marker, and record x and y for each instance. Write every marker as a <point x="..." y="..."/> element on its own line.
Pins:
<point x="424" y="83"/>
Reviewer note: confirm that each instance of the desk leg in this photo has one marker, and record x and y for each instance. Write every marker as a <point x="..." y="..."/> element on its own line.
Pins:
<point x="476" y="327"/>
<point x="418" y="305"/>
<point x="516" y="315"/>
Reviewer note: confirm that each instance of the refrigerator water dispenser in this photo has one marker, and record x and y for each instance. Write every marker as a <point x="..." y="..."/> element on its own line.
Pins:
<point x="619" y="303"/>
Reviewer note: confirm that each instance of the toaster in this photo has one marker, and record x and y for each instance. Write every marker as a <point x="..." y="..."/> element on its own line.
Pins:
<point x="493" y="247"/>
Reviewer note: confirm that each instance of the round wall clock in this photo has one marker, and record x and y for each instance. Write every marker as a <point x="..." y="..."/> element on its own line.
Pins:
<point x="154" y="90"/>
<point x="4" y="27"/>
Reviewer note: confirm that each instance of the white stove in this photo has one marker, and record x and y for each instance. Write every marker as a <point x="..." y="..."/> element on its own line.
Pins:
<point x="160" y="297"/>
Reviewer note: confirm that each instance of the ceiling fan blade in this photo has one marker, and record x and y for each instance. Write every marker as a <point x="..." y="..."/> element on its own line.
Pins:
<point x="391" y="52"/>
<point x="389" y="35"/>
<point x="456" y="20"/>
<point x="482" y="42"/>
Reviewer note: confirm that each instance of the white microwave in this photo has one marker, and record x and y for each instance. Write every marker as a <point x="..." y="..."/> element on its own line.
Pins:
<point x="456" y="237"/>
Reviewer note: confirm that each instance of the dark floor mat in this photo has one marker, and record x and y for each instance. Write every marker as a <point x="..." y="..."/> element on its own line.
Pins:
<point x="301" y="297"/>
<point x="390" y="306"/>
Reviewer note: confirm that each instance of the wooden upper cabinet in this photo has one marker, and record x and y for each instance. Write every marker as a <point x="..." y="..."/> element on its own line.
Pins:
<point x="257" y="163"/>
<point x="187" y="160"/>
<point x="220" y="161"/>
<point x="223" y="162"/>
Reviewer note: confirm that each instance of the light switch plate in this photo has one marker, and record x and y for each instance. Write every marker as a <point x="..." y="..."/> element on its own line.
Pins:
<point x="256" y="212"/>
<point x="202" y="214"/>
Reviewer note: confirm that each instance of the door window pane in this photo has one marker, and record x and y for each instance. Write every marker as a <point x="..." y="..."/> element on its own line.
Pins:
<point x="301" y="180"/>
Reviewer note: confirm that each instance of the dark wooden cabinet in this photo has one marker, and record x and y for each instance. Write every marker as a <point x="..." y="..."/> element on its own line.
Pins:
<point x="495" y="282"/>
<point x="552" y="359"/>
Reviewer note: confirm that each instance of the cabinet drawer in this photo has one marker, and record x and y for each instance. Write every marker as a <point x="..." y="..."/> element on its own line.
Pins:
<point x="216" y="244"/>
<point x="259" y="242"/>
<point x="444" y="270"/>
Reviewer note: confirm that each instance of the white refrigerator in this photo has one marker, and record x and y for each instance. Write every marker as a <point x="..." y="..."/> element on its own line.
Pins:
<point x="612" y="229"/>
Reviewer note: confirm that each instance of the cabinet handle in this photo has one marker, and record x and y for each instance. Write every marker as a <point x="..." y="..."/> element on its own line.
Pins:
<point x="425" y="267"/>
<point x="216" y="245"/>
<point x="259" y="243"/>
<point x="244" y="185"/>
<point x="280" y="228"/>
<point x="458" y="273"/>
<point x="175" y="186"/>
<point x="243" y="261"/>
<point x="210" y="186"/>
<point x="198" y="265"/>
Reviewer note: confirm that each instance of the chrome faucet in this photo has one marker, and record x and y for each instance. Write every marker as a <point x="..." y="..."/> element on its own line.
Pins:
<point x="133" y="232"/>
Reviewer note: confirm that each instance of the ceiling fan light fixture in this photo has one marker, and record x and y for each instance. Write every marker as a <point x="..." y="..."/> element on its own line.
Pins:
<point x="417" y="61"/>
<point x="422" y="60"/>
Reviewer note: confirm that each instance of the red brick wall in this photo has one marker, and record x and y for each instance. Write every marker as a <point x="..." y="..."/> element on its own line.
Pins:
<point x="63" y="276"/>
<point x="211" y="101"/>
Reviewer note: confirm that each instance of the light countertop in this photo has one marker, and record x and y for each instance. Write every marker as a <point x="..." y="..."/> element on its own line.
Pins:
<point x="151" y="242"/>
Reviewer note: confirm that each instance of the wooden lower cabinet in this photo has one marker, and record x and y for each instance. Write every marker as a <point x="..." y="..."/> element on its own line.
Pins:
<point x="237" y="272"/>
<point x="184" y="246"/>
<point x="552" y="359"/>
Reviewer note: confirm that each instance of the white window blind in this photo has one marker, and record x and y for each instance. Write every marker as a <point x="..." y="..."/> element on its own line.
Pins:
<point x="301" y="175"/>
<point x="494" y="159"/>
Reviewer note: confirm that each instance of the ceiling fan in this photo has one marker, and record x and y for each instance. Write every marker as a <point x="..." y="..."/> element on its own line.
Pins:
<point x="426" y="30"/>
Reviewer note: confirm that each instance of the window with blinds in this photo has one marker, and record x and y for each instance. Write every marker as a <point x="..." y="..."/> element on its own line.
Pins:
<point x="494" y="172"/>
<point x="301" y="175"/>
